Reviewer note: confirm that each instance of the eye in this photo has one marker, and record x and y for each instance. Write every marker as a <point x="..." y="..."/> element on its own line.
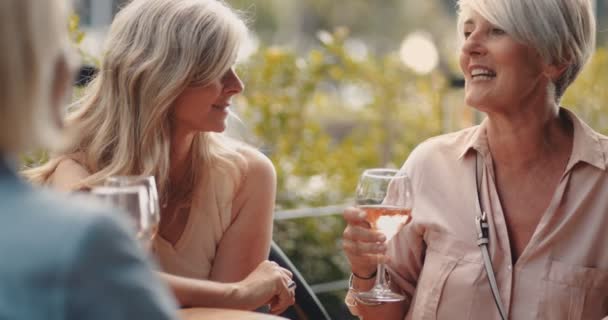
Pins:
<point x="498" y="31"/>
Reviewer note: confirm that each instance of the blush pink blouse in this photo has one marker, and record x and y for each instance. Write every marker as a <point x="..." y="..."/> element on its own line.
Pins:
<point x="561" y="274"/>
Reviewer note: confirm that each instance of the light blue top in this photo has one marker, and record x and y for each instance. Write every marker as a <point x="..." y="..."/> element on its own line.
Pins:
<point x="64" y="258"/>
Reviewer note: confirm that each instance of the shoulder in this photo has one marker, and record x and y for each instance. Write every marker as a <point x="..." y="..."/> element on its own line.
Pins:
<point x="601" y="138"/>
<point x="438" y="157"/>
<point x="106" y="257"/>
<point x="69" y="172"/>
<point x="258" y="166"/>
<point x="81" y="250"/>
<point x="449" y="145"/>
<point x="258" y="180"/>
<point x="56" y="224"/>
<point x="586" y="138"/>
<point x="76" y="212"/>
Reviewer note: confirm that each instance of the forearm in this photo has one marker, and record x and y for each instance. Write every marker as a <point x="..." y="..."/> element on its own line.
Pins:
<point x="203" y="293"/>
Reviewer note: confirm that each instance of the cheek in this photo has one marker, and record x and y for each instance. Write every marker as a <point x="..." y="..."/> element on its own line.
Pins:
<point x="462" y="61"/>
<point x="183" y="110"/>
<point x="188" y="110"/>
<point x="522" y="61"/>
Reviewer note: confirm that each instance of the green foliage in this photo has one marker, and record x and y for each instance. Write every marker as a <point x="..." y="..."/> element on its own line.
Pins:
<point x="588" y="96"/>
<point x="326" y="116"/>
<point x="76" y="35"/>
<point x="34" y="159"/>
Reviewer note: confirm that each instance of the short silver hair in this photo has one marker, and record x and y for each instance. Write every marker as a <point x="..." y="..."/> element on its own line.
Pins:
<point x="562" y="31"/>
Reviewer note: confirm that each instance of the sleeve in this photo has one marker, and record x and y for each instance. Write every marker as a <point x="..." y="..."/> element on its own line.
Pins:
<point x="111" y="279"/>
<point x="407" y="249"/>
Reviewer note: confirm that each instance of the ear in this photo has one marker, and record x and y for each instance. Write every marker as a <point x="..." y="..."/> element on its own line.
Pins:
<point x="554" y="70"/>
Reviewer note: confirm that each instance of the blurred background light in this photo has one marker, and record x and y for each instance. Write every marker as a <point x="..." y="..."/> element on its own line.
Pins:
<point x="419" y="53"/>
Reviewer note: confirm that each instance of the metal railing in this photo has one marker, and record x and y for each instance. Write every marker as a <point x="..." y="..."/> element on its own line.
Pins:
<point x="311" y="213"/>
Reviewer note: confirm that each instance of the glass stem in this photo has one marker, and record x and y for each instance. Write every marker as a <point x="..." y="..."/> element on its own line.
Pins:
<point x="380" y="277"/>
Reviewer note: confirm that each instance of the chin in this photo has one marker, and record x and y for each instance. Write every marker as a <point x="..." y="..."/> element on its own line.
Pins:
<point x="471" y="102"/>
<point x="477" y="101"/>
<point x="218" y="129"/>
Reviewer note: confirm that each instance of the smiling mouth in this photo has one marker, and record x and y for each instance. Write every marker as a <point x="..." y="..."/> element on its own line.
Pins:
<point x="482" y="74"/>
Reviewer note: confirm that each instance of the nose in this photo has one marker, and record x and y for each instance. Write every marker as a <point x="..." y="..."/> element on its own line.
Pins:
<point x="232" y="82"/>
<point x="474" y="45"/>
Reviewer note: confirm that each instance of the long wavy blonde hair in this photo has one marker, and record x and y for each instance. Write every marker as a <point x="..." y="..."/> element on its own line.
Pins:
<point x="154" y="50"/>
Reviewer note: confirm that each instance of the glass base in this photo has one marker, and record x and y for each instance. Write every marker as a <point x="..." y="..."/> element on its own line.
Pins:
<point x="377" y="295"/>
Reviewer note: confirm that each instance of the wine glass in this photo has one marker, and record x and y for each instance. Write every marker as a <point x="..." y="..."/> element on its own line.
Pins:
<point x="131" y="199"/>
<point x="386" y="197"/>
<point x="149" y="218"/>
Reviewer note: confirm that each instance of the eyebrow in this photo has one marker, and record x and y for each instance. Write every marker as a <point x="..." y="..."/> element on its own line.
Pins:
<point x="469" y="22"/>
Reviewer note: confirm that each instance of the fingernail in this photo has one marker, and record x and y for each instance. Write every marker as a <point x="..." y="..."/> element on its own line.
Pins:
<point x="381" y="237"/>
<point x="362" y="214"/>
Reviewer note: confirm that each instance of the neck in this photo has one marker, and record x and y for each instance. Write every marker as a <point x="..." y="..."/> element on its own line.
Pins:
<point x="528" y="136"/>
<point x="181" y="154"/>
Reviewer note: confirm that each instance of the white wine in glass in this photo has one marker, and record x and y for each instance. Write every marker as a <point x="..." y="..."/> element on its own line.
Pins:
<point x="386" y="197"/>
<point x="150" y="219"/>
<point x="131" y="200"/>
<point x="386" y="218"/>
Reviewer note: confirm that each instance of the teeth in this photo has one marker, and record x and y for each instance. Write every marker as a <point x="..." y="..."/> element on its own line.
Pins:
<point x="482" y="72"/>
<point x="483" y="78"/>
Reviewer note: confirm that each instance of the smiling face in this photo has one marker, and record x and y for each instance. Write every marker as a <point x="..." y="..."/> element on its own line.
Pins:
<point x="500" y="72"/>
<point x="205" y="108"/>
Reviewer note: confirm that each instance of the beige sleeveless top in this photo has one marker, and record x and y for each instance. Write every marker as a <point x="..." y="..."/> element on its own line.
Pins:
<point x="210" y="216"/>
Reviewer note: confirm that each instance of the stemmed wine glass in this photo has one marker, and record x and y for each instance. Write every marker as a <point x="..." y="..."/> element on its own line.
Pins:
<point x="386" y="197"/>
<point x="138" y="196"/>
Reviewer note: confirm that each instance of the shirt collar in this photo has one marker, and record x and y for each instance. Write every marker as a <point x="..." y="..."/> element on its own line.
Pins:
<point x="586" y="146"/>
<point x="477" y="141"/>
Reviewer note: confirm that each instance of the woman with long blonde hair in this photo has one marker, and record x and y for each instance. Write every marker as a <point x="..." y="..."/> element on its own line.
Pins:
<point x="159" y="107"/>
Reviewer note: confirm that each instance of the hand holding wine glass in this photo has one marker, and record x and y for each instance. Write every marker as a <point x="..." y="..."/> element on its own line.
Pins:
<point x="384" y="202"/>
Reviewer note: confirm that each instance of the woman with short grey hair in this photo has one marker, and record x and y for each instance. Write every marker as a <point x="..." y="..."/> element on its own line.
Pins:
<point x="508" y="215"/>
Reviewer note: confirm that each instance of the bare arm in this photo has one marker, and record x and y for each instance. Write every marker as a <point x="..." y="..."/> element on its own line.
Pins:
<point x="201" y="293"/>
<point x="67" y="174"/>
<point x="268" y="283"/>
<point x="252" y="225"/>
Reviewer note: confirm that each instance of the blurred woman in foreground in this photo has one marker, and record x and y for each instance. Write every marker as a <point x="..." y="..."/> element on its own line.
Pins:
<point x="61" y="257"/>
